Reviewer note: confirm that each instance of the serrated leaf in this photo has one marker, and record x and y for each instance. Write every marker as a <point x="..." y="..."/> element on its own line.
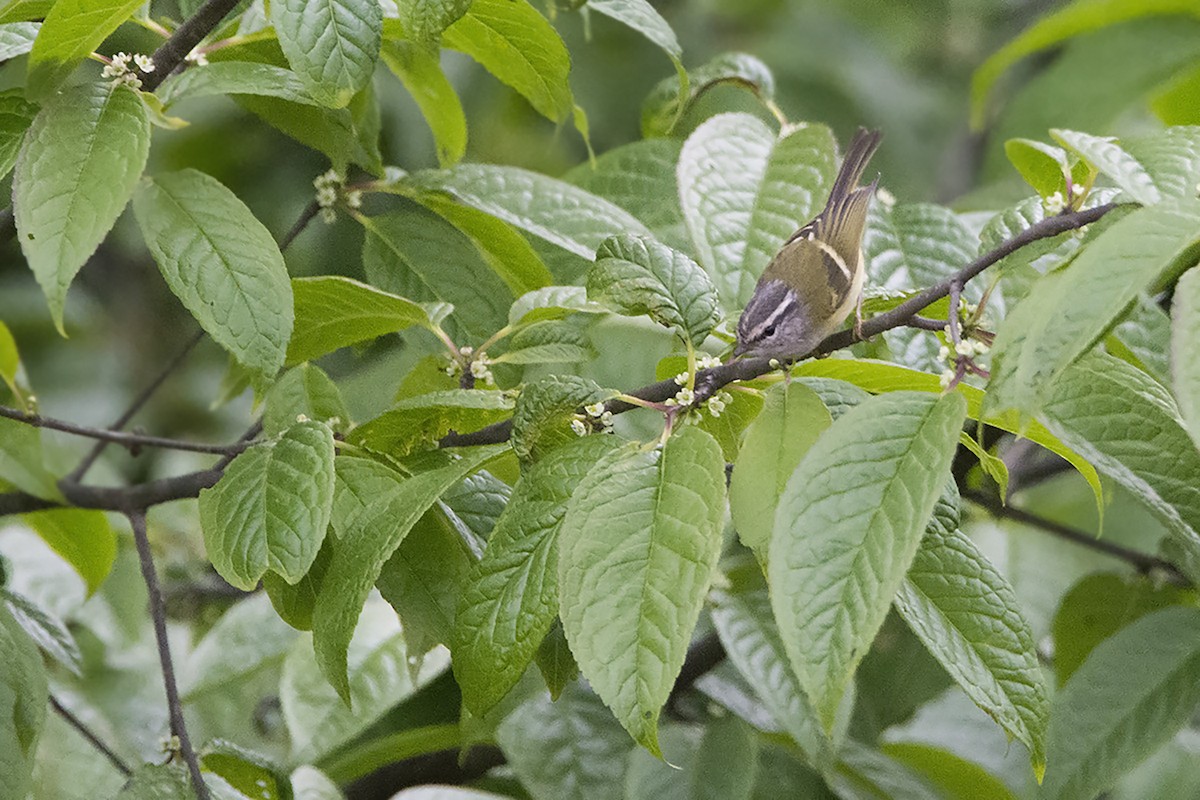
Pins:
<point x="389" y="507"/>
<point x="792" y="418"/>
<point x="1067" y="311"/>
<point x="544" y="411"/>
<point x="425" y="20"/>
<point x="76" y="171"/>
<point x="510" y="598"/>
<point x="1132" y="694"/>
<point x="1097" y="607"/>
<point x="547" y="342"/>
<point x="332" y="312"/>
<point x="551" y="302"/>
<point x="23" y="699"/>
<point x="236" y="78"/>
<point x="640" y="178"/>
<point x="969" y="619"/>
<point x="637" y="549"/>
<point x="407" y="251"/>
<point x="247" y="638"/>
<point x="569" y="749"/>
<point x="72" y="30"/>
<point x="222" y="264"/>
<point x="664" y="104"/>
<point x="635" y="275"/>
<point x="1106" y="155"/>
<point x="379" y="676"/>
<point x="416" y="422"/>
<point x="270" y="509"/>
<point x="46" y="630"/>
<point x="517" y="45"/>
<point x="554" y="210"/>
<point x="1185" y="360"/>
<point x="331" y="44"/>
<point x="16" y="116"/>
<point x="304" y="391"/>
<point x="845" y="533"/>
<point x="746" y="626"/>
<point x="84" y="539"/>
<point x="1128" y="426"/>
<point x="1170" y="157"/>
<point x="422" y="75"/>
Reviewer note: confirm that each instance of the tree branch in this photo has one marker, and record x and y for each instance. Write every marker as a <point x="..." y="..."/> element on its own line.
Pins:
<point x="91" y="737"/>
<point x="131" y="440"/>
<point x="709" y="381"/>
<point x="174" y="50"/>
<point x="158" y="611"/>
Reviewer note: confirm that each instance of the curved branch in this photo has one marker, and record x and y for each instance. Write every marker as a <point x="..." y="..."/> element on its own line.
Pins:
<point x="131" y="440"/>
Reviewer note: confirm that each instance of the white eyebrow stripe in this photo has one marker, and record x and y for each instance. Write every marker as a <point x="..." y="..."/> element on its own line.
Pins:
<point x="789" y="302"/>
<point x="837" y="259"/>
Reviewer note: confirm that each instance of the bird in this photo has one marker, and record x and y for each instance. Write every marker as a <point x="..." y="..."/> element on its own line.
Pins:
<point x="816" y="278"/>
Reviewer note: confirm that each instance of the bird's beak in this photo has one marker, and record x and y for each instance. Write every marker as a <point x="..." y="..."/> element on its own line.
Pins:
<point x="739" y="349"/>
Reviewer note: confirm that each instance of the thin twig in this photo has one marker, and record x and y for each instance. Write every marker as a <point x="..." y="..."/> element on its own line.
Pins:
<point x="173" y="51"/>
<point x="925" y="323"/>
<point x="135" y="406"/>
<point x="120" y="437"/>
<point x="1143" y="562"/>
<point x="306" y="216"/>
<point x="158" y="611"/>
<point x="87" y="733"/>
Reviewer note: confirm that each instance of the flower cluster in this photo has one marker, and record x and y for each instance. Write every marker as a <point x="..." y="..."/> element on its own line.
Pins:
<point x="118" y="71"/>
<point x="331" y="187"/>
<point x="961" y="359"/>
<point x="1056" y="203"/>
<point x="197" y="57"/>
<point x="597" y="418"/>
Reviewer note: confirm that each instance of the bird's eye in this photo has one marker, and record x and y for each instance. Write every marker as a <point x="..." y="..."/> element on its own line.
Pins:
<point x="769" y="332"/>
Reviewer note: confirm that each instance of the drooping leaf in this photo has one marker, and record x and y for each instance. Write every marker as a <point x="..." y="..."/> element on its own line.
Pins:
<point x="425" y="20"/>
<point x="1113" y="162"/>
<point x="270" y="509"/>
<point x="46" y="630"/>
<point x="792" y="418"/>
<point x="294" y="602"/>
<point x="23" y="699"/>
<point x="71" y="31"/>
<point x="332" y="312"/>
<point x="1043" y="166"/>
<point x="1185" y="359"/>
<point x="422" y="75"/>
<point x="387" y="508"/>
<point x="846" y="533"/>
<point x="304" y="391"/>
<point x="416" y="422"/>
<point x="643" y="18"/>
<point x="666" y="102"/>
<point x="955" y="777"/>
<point x="637" y="549"/>
<point x="636" y="275"/>
<point x="1170" y="157"/>
<point x="552" y="302"/>
<point x="511" y="594"/>
<point x="1131" y="695"/>
<point x="16" y="115"/>
<point x="517" y="45"/>
<point x="83" y="538"/>
<point x="544" y="412"/>
<point x="76" y="171"/>
<point x="968" y="617"/>
<point x="222" y="264"/>
<point x="331" y="44"/>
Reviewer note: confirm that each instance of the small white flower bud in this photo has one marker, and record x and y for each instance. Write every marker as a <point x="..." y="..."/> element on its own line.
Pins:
<point x="328" y="216"/>
<point x="595" y="409"/>
<point x="943" y="353"/>
<point x="1054" y="204"/>
<point x="144" y="63"/>
<point x="578" y="427"/>
<point x="685" y="397"/>
<point x="301" y="418"/>
<point x="708" y="362"/>
<point x="964" y="348"/>
<point x="681" y="379"/>
<point x="354" y="198"/>
<point x="946" y="378"/>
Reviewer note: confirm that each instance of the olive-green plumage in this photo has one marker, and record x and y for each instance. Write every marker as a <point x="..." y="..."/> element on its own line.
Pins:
<point x="816" y="279"/>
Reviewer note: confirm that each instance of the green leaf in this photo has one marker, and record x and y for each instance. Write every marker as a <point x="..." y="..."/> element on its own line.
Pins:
<point x="21" y="461"/>
<point x="389" y="507"/>
<point x="380" y="675"/>
<point x="425" y="20"/>
<point x="16" y="115"/>
<point x="1099" y="606"/>
<point x="955" y="777"/>
<point x="84" y="539"/>
<point x="270" y="509"/>
<point x="46" y="630"/>
<point x="76" y="171"/>
<point x="510" y="597"/>
<point x="554" y="210"/>
<point x="236" y="78"/>
<point x="1185" y="360"/>
<point x="16" y="38"/>
<point x="23" y="699"/>
<point x="742" y="616"/>
<point x="1069" y="310"/>
<point x="1075" y="19"/>
<point x="635" y="275"/>
<point x="422" y="75"/>
<point x="744" y="191"/>
<point x="569" y="749"/>
<point x="309" y="783"/>
<point x="417" y="422"/>
<point x="969" y="619"/>
<point x="446" y="793"/>
<point x="551" y="302"/>
<point x="1170" y="157"/>
<point x="637" y="549"/>
<point x="643" y="18"/>
<point x="331" y="44"/>
<point x="845" y="533"/>
<point x="791" y="420"/>
<point x="555" y="661"/>
<point x="332" y="312"/>
<point x="1128" y="426"/>
<point x="1142" y="339"/>
<point x="547" y="342"/>
<point x="666" y="102"/>
<point x="294" y="602"/>
<point x="247" y="773"/>
<point x="914" y="245"/>
<point x="1043" y="166"/>
<point x="346" y="135"/>
<point x="71" y="31"/>
<point x="222" y="264"/>
<point x="1134" y="692"/>
<point x="863" y="772"/>
<point x="406" y="252"/>
<point x="640" y="178"/>
<point x="517" y="45"/>
<point x="544" y="412"/>
<point x="305" y="391"/>
<point x="23" y="10"/>
<point x="1107" y="156"/>
<point x="249" y="637"/>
